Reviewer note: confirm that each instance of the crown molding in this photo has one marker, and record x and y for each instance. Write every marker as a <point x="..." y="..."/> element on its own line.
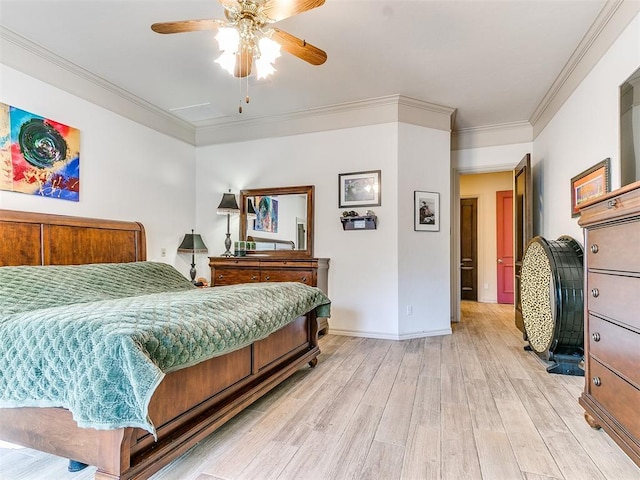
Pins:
<point x="392" y="108"/>
<point x="614" y="17"/>
<point x="27" y="57"/>
<point x="492" y="135"/>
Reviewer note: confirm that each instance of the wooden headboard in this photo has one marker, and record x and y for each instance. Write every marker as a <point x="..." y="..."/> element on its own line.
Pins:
<point x="42" y="239"/>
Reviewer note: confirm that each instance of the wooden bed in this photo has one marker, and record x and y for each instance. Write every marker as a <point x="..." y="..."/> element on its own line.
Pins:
<point x="187" y="406"/>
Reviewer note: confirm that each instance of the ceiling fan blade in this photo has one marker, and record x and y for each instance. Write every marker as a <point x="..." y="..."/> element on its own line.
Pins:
<point x="244" y="59"/>
<point x="300" y="48"/>
<point x="280" y="9"/>
<point x="186" y="26"/>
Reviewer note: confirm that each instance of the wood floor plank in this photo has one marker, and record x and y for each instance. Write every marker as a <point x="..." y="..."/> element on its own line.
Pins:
<point x="383" y="461"/>
<point x="482" y="407"/>
<point x="381" y="384"/>
<point x="394" y="425"/>
<point x="459" y="455"/>
<point x="579" y="466"/>
<point x="269" y="462"/>
<point x="497" y="460"/>
<point x="426" y="407"/>
<point x="527" y="444"/>
<point x="422" y="454"/>
<point x="352" y="448"/>
<point x="452" y="384"/>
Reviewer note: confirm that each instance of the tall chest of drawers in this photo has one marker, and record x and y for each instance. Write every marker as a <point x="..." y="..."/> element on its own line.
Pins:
<point x="254" y="268"/>
<point x="612" y="316"/>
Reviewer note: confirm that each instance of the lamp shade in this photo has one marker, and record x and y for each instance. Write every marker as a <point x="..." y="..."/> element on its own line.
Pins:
<point x="228" y="204"/>
<point x="192" y="243"/>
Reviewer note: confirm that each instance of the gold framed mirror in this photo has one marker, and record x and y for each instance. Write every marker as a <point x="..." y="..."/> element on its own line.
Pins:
<point x="281" y="223"/>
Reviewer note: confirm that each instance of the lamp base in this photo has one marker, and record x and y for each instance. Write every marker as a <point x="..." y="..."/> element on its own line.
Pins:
<point x="227" y="244"/>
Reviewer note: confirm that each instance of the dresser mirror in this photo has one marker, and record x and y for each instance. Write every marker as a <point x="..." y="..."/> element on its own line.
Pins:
<point x="630" y="129"/>
<point x="277" y="222"/>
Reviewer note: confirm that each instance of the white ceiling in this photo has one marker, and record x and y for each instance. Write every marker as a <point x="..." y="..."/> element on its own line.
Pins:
<point x="493" y="61"/>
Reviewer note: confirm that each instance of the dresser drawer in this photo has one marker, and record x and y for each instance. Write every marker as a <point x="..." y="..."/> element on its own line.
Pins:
<point x="614" y="296"/>
<point x="606" y="244"/>
<point x="303" y="276"/>
<point x="616" y="396"/>
<point x="615" y="346"/>
<point x="294" y="263"/>
<point x="233" y="276"/>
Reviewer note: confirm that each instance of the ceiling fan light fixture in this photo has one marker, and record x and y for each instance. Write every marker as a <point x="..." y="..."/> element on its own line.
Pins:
<point x="228" y="41"/>
<point x="269" y="52"/>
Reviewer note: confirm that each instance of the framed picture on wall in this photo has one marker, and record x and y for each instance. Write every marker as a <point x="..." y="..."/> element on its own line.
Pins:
<point x="590" y="184"/>
<point x="359" y="189"/>
<point x="426" y="211"/>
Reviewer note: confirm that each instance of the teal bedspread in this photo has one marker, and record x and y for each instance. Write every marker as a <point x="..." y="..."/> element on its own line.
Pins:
<point x="98" y="339"/>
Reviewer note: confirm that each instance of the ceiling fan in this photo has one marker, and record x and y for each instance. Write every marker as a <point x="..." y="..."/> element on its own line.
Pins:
<point x="248" y="34"/>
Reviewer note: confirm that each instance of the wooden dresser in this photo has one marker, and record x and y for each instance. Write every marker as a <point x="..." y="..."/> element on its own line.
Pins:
<point x="254" y="268"/>
<point x="612" y="319"/>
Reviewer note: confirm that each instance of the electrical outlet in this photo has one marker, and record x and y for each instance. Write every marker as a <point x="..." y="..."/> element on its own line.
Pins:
<point x="163" y="252"/>
<point x="409" y="309"/>
<point x="486" y="286"/>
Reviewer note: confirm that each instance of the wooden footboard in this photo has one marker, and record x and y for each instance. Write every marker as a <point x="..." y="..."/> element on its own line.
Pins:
<point x="188" y="405"/>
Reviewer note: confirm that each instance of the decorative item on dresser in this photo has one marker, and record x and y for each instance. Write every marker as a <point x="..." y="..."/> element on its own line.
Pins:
<point x="250" y="269"/>
<point x="228" y="206"/>
<point x="612" y="325"/>
<point x="192" y="243"/>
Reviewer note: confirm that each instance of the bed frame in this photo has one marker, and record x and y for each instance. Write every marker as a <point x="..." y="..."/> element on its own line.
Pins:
<point x="188" y="405"/>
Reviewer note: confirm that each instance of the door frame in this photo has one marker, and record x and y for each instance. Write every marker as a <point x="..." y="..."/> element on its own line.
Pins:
<point x="455" y="230"/>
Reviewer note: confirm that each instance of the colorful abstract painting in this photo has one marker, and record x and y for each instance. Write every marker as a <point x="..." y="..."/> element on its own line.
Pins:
<point x="38" y="156"/>
<point x="266" y="214"/>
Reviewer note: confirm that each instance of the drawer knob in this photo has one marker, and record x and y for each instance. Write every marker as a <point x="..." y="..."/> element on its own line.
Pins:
<point x="267" y="277"/>
<point x="595" y="292"/>
<point x="594" y="248"/>
<point x="595" y="336"/>
<point x="220" y="275"/>
<point x="253" y="277"/>
<point x="596" y="381"/>
<point x="612" y="203"/>
<point x="303" y="279"/>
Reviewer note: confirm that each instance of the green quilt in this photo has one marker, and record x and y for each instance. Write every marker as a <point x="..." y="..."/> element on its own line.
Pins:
<point x="98" y="339"/>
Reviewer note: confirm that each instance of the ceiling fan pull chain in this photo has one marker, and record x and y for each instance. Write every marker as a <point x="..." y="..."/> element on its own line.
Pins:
<point x="249" y="60"/>
<point x="240" y="102"/>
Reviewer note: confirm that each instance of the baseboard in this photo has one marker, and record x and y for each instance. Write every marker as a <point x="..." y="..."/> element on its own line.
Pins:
<point x="388" y="336"/>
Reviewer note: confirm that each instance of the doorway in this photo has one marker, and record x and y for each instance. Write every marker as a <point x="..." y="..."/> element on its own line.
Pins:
<point x="469" y="249"/>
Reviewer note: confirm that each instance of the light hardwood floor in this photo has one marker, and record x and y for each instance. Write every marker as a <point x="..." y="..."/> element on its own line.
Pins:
<point x="472" y="405"/>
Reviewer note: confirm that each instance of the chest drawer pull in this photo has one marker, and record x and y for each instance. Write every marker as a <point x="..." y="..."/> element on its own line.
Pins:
<point x="595" y="292"/>
<point x="596" y="381"/>
<point x="594" y="248"/>
<point x="595" y="336"/>
<point x="220" y="276"/>
<point x="267" y="278"/>
<point x="612" y="203"/>
<point x="303" y="279"/>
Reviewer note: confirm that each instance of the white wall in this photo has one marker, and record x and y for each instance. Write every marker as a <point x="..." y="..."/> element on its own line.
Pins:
<point x="127" y="171"/>
<point x="362" y="273"/>
<point x="364" y="269"/>
<point x="584" y="132"/>
<point x="489" y="159"/>
<point x="423" y="257"/>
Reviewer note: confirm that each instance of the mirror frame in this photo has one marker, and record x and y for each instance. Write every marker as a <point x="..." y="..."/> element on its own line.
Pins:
<point x="297" y="190"/>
